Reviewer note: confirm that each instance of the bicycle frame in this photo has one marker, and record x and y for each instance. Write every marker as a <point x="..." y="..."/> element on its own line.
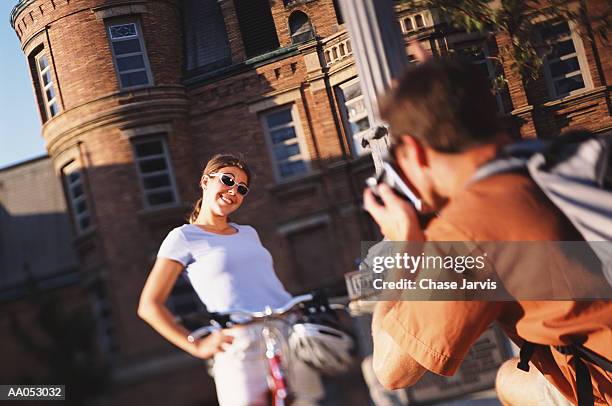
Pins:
<point x="278" y="382"/>
<point x="277" y="375"/>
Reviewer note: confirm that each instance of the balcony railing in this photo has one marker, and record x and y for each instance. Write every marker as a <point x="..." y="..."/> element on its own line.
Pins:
<point x="337" y="48"/>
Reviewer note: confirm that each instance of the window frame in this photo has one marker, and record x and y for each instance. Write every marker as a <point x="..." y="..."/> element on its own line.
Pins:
<point x="308" y="35"/>
<point x="169" y="171"/>
<point x="266" y="29"/>
<point x="406" y="29"/>
<point x="483" y="45"/>
<point x="416" y="24"/>
<point x="356" y="149"/>
<point x="143" y="51"/>
<point x="426" y="16"/>
<point x="191" y="60"/>
<point x="103" y="312"/>
<point x="43" y="88"/>
<point x="301" y="142"/>
<point x="582" y="64"/>
<point x="68" y="169"/>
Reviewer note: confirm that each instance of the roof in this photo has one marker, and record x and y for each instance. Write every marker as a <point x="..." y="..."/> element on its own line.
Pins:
<point x="24" y="162"/>
<point x="22" y="4"/>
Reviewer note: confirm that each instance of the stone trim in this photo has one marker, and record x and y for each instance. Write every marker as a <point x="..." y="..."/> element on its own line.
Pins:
<point x="586" y="95"/>
<point x="145" y="130"/>
<point x="275" y="100"/>
<point x="119" y="9"/>
<point x="522" y="110"/>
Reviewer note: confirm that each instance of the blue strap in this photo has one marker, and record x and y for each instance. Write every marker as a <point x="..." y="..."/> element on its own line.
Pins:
<point x="497" y="166"/>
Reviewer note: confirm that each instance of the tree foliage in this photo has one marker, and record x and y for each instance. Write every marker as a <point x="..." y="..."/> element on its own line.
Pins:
<point x="520" y="20"/>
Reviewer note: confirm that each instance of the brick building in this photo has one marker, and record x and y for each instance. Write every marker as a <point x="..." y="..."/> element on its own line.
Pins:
<point x="37" y="263"/>
<point x="136" y="95"/>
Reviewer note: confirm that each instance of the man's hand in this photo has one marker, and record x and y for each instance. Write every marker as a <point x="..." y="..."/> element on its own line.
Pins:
<point x="397" y="218"/>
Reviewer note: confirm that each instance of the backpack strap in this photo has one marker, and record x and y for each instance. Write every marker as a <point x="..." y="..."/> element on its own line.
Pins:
<point x="584" y="385"/>
<point x="516" y="156"/>
<point x="525" y="355"/>
<point x="593" y="357"/>
<point x="499" y="165"/>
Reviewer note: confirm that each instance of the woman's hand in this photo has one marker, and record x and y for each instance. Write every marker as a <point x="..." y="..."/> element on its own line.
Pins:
<point x="153" y="310"/>
<point x="213" y="343"/>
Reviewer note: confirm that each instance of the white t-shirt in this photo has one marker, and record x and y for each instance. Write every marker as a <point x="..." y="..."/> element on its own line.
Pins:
<point x="227" y="272"/>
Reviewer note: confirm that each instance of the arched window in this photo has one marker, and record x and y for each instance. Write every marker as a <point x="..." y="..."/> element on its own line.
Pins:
<point x="206" y="42"/>
<point x="300" y="28"/>
<point x="408" y="26"/>
<point x="418" y="20"/>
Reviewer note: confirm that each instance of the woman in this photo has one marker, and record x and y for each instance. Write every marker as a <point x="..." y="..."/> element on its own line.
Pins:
<point x="229" y="269"/>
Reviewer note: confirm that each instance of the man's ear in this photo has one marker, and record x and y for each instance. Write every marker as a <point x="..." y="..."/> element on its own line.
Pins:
<point x="413" y="150"/>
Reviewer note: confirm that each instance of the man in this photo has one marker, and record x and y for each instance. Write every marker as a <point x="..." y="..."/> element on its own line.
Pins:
<point x="445" y="125"/>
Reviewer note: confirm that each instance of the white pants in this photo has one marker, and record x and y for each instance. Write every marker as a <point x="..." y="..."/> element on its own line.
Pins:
<point x="240" y="372"/>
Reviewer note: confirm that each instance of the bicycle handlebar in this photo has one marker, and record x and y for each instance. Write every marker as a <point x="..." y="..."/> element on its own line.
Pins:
<point x="268" y="311"/>
<point x="337" y="306"/>
<point x="240" y="316"/>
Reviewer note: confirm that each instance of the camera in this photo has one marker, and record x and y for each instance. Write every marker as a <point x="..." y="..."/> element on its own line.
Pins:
<point x="391" y="177"/>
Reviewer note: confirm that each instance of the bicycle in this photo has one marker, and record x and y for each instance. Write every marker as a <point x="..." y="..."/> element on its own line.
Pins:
<point x="274" y="341"/>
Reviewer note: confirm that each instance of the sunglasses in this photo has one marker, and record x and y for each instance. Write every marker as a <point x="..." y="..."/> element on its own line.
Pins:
<point x="229" y="181"/>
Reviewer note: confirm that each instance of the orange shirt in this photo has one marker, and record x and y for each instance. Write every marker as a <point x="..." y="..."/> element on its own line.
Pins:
<point x="438" y="335"/>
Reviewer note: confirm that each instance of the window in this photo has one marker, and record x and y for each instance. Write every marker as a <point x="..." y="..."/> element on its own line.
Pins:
<point x="563" y="66"/>
<point x="157" y="180"/>
<point x="408" y="25"/>
<point x="354" y="114"/>
<point x="288" y="154"/>
<point x="75" y="189"/>
<point x="206" y="42"/>
<point x="414" y="22"/>
<point x="478" y="54"/>
<point x="129" y="54"/>
<point x="103" y="313"/>
<point x="47" y="89"/>
<point x="300" y="28"/>
<point x="256" y="26"/>
<point x="418" y="20"/>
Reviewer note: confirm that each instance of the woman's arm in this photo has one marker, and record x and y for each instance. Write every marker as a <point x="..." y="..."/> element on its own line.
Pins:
<point x="152" y="309"/>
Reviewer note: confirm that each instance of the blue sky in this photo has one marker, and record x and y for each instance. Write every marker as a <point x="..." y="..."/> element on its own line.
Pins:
<point x="20" y="137"/>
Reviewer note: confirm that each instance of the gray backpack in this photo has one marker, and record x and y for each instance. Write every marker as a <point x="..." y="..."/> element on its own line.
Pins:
<point x="575" y="172"/>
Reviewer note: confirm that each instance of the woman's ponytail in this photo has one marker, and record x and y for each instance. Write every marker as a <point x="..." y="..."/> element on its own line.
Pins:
<point x="196" y="211"/>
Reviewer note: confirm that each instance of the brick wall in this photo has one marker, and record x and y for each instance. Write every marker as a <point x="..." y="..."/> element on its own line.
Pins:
<point x="320" y="12"/>
<point x="219" y="113"/>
